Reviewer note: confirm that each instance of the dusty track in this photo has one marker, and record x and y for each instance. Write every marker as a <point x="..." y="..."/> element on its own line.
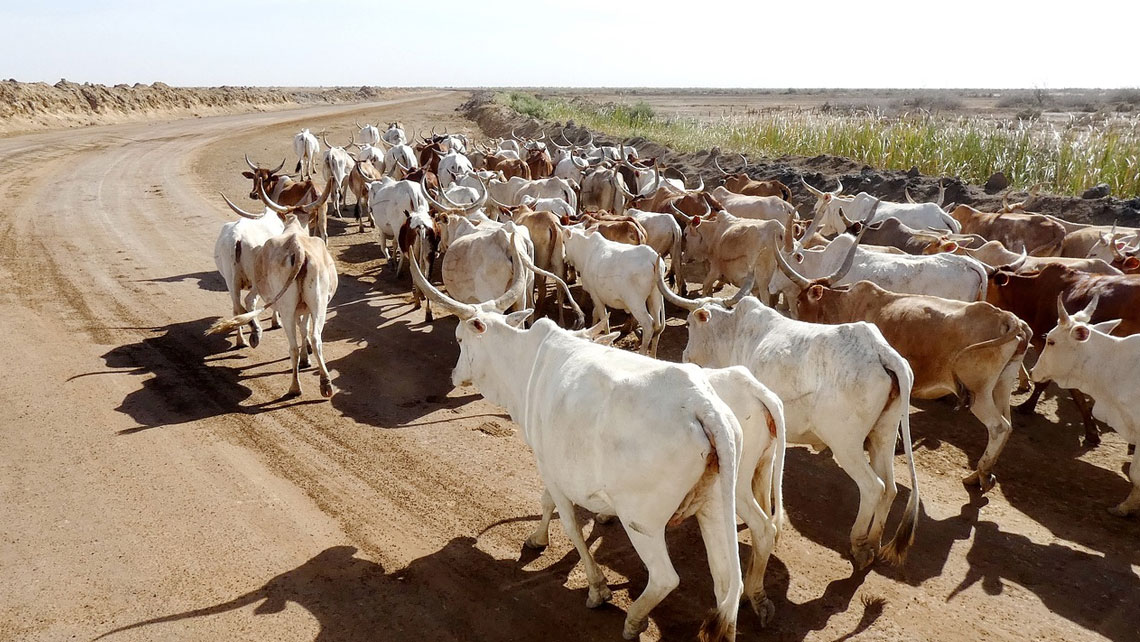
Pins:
<point x="149" y="472"/>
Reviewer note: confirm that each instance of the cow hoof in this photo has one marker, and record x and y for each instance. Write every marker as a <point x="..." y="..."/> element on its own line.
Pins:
<point x="598" y="597"/>
<point x="1092" y="441"/>
<point x="428" y="317"/>
<point x="602" y="518"/>
<point x="1119" y="511"/>
<point x="304" y="363"/>
<point x="634" y="628"/>
<point x="984" y="481"/>
<point x="255" y="339"/>
<point x="862" y="557"/>
<point x="536" y="544"/>
<point x="327" y="389"/>
<point x="763" y="607"/>
<point x="292" y="394"/>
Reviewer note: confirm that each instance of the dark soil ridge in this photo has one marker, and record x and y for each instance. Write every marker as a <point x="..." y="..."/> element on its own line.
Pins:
<point x="820" y="171"/>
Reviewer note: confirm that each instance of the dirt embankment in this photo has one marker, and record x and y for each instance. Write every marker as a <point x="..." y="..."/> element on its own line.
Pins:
<point x="821" y="171"/>
<point x="35" y="106"/>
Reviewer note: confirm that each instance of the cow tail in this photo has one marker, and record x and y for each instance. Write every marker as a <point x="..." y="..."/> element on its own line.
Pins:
<point x="300" y="264"/>
<point x="895" y="551"/>
<point x="720" y="625"/>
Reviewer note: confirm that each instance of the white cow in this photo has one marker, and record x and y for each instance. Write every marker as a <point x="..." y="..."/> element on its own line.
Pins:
<point x="949" y="276"/>
<point x="452" y="166"/>
<point x="604" y="425"/>
<point x="394" y="135"/>
<point x="388" y="199"/>
<point x="1087" y="357"/>
<point x="399" y="160"/>
<point x="306" y="145"/>
<point x="336" y="164"/>
<point x="233" y="255"/>
<point x="663" y="234"/>
<point x="556" y="206"/>
<point x="548" y="188"/>
<point x="619" y="276"/>
<point x="302" y="273"/>
<point x="920" y="216"/>
<point x="369" y="135"/>
<point x="843" y="388"/>
<point x="769" y="208"/>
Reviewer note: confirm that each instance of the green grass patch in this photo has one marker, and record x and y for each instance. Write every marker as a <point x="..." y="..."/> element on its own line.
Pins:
<point x="1066" y="157"/>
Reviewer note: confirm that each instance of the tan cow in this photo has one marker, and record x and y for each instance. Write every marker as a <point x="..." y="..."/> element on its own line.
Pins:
<point x="995" y="255"/>
<point x="736" y="249"/>
<point x="742" y="183"/>
<point x="358" y="185"/>
<point x="301" y="272"/>
<point x="971" y="350"/>
<point x="1034" y="233"/>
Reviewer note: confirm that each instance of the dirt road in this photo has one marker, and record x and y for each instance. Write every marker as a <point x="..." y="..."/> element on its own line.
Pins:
<point x="153" y="486"/>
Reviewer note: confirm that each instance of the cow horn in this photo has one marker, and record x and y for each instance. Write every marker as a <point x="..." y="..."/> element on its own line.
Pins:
<point x="716" y="162"/>
<point x="818" y="193"/>
<point x="325" y="140"/>
<point x="581" y="322"/>
<point x="280" y="209"/>
<point x="1086" y="315"/>
<point x="744" y="291"/>
<point x="909" y="198"/>
<point x="1017" y="263"/>
<point x="839" y="191"/>
<point x="676" y="299"/>
<point x="708" y="207"/>
<point x="451" y="204"/>
<point x="745" y="160"/>
<point x="250" y="163"/>
<point x="941" y="193"/>
<point x="407" y="170"/>
<point x="625" y="160"/>
<point x="239" y="211"/>
<point x="518" y="282"/>
<point x="678" y="212"/>
<point x="495" y="202"/>
<point x="514" y="135"/>
<point x="790" y="272"/>
<point x="846" y="221"/>
<point x="479" y="202"/>
<point x="620" y="182"/>
<point x="1063" y="317"/>
<point x="357" y="124"/>
<point x="848" y="262"/>
<point x="701" y="186"/>
<point x="321" y="201"/>
<point x="585" y="163"/>
<point x="427" y="193"/>
<point x="462" y="310"/>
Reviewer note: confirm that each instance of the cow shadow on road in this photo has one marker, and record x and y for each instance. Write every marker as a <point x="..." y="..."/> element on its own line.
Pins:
<point x="211" y="281"/>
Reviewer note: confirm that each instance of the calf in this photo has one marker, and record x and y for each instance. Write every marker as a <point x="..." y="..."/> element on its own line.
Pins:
<point x="742" y="183"/>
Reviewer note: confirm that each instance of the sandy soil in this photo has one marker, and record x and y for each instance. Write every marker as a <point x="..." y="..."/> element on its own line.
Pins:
<point x="152" y="479"/>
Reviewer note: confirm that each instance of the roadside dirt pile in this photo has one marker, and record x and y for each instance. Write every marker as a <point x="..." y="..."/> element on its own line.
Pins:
<point x="821" y="171"/>
<point x="35" y="106"/>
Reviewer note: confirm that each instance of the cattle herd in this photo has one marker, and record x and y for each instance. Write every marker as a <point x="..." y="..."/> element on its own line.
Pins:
<point x="837" y="323"/>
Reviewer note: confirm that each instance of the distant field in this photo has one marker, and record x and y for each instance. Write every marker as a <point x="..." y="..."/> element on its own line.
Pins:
<point x="1068" y="140"/>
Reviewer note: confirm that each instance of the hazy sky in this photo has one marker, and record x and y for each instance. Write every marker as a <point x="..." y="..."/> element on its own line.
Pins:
<point x="961" y="43"/>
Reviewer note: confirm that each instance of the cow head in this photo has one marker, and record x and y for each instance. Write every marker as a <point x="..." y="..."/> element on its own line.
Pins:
<point x="710" y="321"/>
<point x="262" y="176"/>
<point x="1071" y="347"/>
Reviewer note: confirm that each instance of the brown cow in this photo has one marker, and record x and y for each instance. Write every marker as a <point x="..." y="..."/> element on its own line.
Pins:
<point x="358" y="185"/>
<point x="1033" y="297"/>
<point x="736" y="249"/>
<point x="540" y="164"/>
<point x="513" y="167"/>
<point x="971" y="350"/>
<point x="742" y="183"/>
<point x="288" y="192"/>
<point x="995" y="255"/>
<point x="1034" y="233"/>
<point x="614" y="227"/>
<point x="546" y="234"/>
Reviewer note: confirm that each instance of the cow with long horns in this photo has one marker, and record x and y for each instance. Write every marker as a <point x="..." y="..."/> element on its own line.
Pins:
<point x="602" y="423"/>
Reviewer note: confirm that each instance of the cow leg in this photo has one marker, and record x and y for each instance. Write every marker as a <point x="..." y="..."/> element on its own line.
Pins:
<point x="881" y="450"/>
<point x="294" y="353"/>
<point x="600" y="313"/>
<point x="254" y="324"/>
<point x="306" y="343"/>
<point x="663" y="577"/>
<point x="754" y="505"/>
<point x="1030" y="404"/>
<point x="851" y="459"/>
<point x="1131" y="503"/>
<point x="275" y="324"/>
<point x="315" y="340"/>
<point x="238" y="308"/>
<point x="999" y="428"/>
<point x="599" y="592"/>
<point x="540" y="538"/>
<point x="540" y="287"/>
<point x="648" y="329"/>
<point x="1092" y="431"/>
<point x="707" y="285"/>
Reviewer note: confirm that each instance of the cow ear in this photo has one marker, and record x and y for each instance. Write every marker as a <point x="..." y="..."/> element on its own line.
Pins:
<point x="702" y="315"/>
<point x="607" y="339"/>
<point x="1107" y="326"/>
<point x="798" y="257"/>
<point x="1131" y="263"/>
<point x="407" y="214"/>
<point x="516" y="319"/>
<point x="565" y="220"/>
<point x="950" y="247"/>
<point x="247" y="174"/>
<point x="1080" y="332"/>
<point x="696" y="221"/>
<point x="815" y="292"/>
<point x="477" y="326"/>
<point x="1001" y="279"/>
